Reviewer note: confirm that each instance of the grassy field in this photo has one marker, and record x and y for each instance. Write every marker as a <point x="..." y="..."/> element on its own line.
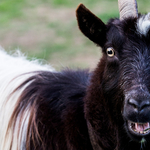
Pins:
<point x="47" y="29"/>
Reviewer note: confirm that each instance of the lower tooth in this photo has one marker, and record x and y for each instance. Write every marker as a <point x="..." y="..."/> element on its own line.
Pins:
<point x="146" y="132"/>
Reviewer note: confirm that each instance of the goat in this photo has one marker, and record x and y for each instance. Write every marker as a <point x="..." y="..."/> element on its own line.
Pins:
<point x="106" y="109"/>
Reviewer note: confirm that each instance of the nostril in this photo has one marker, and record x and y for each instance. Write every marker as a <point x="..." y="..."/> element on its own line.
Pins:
<point x="133" y="103"/>
<point x="145" y="104"/>
<point x="140" y="105"/>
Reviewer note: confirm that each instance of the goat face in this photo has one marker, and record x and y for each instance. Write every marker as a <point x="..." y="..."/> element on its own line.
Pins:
<point x="126" y="73"/>
<point x="135" y="77"/>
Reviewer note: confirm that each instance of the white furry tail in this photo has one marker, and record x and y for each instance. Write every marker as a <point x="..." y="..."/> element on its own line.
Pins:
<point x="15" y="126"/>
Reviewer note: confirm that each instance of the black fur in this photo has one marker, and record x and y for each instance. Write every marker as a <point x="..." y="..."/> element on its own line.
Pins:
<point x="78" y="110"/>
<point x="59" y="102"/>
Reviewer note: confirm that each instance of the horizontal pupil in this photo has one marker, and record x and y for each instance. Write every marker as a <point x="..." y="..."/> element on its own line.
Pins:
<point x="109" y="52"/>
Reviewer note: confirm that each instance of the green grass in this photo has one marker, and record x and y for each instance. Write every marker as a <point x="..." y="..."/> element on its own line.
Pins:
<point x="10" y="9"/>
<point x="47" y="29"/>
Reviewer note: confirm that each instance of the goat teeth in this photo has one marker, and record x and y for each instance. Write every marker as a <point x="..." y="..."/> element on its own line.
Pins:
<point x="146" y="131"/>
<point x="140" y="132"/>
<point x="137" y="128"/>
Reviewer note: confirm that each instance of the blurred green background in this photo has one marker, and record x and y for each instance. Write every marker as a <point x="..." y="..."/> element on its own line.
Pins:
<point x="47" y="29"/>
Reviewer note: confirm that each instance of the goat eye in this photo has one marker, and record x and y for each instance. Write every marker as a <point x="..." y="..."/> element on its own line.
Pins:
<point x="110" y="52"/>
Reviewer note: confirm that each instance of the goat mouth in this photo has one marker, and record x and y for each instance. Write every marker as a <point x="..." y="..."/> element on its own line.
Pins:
<point x="140" y="129"/>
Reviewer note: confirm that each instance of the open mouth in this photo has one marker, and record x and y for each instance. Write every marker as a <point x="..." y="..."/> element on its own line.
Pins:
<point x="139" y="128"/>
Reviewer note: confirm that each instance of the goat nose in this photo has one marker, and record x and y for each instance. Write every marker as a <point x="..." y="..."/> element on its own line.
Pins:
<point x="139" y="106"/>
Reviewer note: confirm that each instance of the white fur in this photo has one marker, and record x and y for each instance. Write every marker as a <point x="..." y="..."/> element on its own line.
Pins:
<point x="11" y="69"/>
<point x="143" y="24"/>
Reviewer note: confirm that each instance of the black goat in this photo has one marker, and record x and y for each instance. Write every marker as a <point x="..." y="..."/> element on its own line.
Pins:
<point x="107" y="109"/>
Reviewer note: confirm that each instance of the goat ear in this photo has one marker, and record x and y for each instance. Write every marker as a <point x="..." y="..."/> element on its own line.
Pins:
<point x="90" y="25"/>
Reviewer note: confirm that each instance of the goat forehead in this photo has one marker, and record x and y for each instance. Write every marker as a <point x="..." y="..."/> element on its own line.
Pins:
<point x="143" y="24"/>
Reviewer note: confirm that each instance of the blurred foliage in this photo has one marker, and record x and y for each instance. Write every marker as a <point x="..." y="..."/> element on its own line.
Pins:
<point x="10" y="9"/>
<point x="47" y="29"/>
